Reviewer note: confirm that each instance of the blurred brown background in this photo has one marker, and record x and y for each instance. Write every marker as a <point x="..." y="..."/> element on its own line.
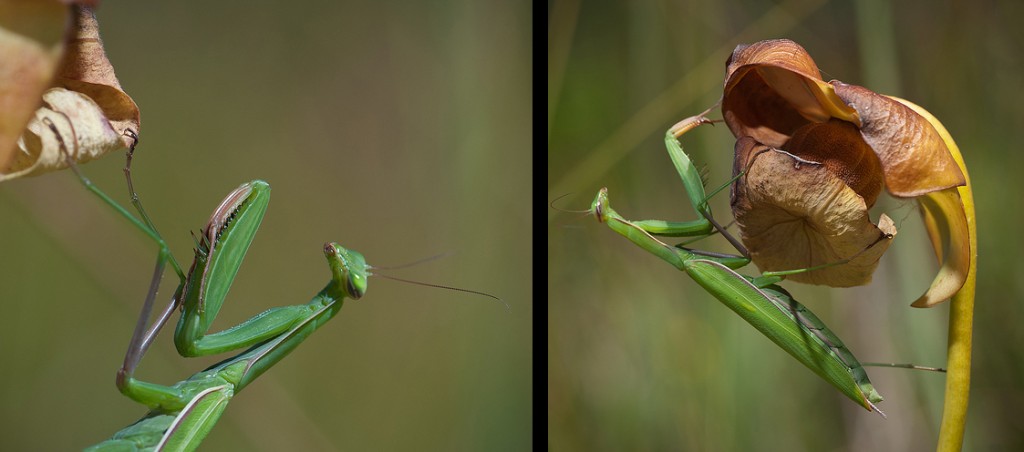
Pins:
<point x="401" y="130"/>
<point x="640" y="357"/>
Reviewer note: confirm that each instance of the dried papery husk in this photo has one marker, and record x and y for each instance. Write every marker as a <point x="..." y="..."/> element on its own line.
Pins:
<point x="84" y="130"/>
<point x="795" y="215"/>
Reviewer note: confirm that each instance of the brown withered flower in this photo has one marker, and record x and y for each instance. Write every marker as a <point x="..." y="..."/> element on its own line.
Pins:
<point x="812" y="158"/>
<point x="816" y="155"/>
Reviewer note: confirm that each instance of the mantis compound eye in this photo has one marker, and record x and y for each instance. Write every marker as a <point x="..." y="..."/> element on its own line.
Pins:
<point x="600" y="205"/>
<point x="353" y="288"/>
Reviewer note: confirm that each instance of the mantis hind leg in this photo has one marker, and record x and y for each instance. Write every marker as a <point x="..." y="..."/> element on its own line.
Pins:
<point x="144" y="225"/>
<point x="141" y="337"/>
<point x="180" y="422"/>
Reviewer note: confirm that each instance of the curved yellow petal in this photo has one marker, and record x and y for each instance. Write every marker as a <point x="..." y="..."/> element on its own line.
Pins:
<point x="946" y="223"/>
<point x="949" y="219"/>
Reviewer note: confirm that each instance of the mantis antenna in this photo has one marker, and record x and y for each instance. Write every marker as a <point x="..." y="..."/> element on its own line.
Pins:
<point x="439" y="286"/>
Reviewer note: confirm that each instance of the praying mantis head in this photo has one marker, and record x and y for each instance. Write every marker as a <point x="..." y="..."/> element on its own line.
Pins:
<point x="349" y="269"/>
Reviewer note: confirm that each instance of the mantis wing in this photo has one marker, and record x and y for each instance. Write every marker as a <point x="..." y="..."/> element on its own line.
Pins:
<point x="791" y="326"/>
<point x="196" y="420"/>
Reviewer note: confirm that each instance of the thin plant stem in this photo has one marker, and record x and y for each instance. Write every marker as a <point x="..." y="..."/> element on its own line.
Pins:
<point x="961" y="326"/>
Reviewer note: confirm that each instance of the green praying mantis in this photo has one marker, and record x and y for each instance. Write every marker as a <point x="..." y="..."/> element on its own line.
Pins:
<point x="759" y="300"/>
<point x="182" y="414"/>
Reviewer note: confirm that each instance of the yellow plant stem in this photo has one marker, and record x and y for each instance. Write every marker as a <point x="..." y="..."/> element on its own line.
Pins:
<point x="961" y="325"/>
<point x="958" y="357"/>
<point x="958" y="373"/>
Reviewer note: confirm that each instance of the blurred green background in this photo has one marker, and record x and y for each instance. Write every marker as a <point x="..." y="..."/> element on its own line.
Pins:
<point x="399" y="129"/>
<point x="640" y="358"/>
